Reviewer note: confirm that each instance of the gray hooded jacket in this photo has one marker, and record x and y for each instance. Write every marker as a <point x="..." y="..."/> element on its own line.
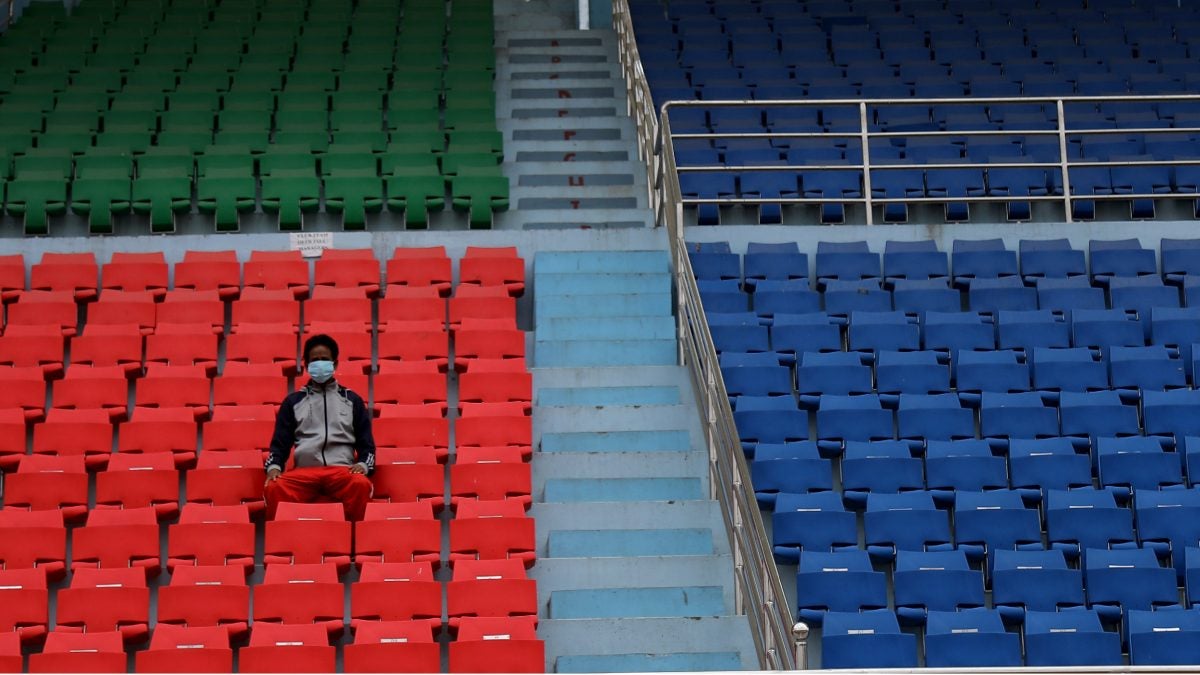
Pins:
<point x="328" y="424"/>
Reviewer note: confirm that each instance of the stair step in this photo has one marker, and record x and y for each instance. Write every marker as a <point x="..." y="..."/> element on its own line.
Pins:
<point x="627" y="635"/>
<point x="603" y="304"/>
<point x="556" y="93"/>
<point x="561" y="180"/>
<point x="554" y="41"/>
<point x="559" y="146"/>
<point x="566" y="113"/>
<point x="612" y="328"/>
<point x="622" y="489"/>
<point x="607" y="262"/>
<point x="675" y="601"/>
<point x="593" y="222"/>
<point x="568" y="155"/>
<point x="581" y="168"/>
<point x="602" y="396"/>
<point x="612" y="134"/>
<point x="553" y="121"/>
<point x="600" y="284"/>
<point x="553" y="354"/>
<point x="629" y="543"/>
<point x="561" y="74"/>
<point x="555" y="465"/>
<point x="617" y="441"/>
<point x="680" y="662"/>
<point x="540" y="57"/>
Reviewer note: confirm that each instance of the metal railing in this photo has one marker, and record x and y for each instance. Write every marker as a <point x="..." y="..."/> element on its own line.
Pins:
<point x="864" y="140"/>
<point x="639" y="104"/>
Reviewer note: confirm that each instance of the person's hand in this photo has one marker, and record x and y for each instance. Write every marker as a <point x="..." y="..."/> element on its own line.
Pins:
<point x="359" y="468"/>
<point x="272" y="475"/>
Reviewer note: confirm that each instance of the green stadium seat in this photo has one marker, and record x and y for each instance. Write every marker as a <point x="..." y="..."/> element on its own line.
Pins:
<point x="33" y="196"/>
<point x="100" y="189"/>
<point x="301" y="101"/>
<point x="415" y="193"/>
<point x="353" y="195"/>
<point x="480" y="196"/>
<point x="289" y="194"/>
<point x="454" y="162"/>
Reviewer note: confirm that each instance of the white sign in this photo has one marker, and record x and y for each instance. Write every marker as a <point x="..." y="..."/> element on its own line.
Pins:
<point x="311" y="244"/>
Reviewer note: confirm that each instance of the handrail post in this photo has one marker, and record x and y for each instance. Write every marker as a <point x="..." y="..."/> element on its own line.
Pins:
<point x="866" y="161"/>
<point x="1062" y="160"/>
<point x="800" y="638"/>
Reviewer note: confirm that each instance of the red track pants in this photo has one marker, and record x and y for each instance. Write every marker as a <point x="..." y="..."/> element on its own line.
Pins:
<point x="320" y="484"/>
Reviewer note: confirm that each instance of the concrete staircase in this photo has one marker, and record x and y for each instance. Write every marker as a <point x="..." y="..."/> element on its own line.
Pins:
<point x="560" y="103"/>
<point x="634" y="569"/>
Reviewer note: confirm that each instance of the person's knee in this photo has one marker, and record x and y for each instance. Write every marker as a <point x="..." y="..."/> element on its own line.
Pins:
<point x="360" y="485"/>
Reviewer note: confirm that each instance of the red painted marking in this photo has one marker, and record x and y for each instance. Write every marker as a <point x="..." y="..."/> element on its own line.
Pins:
<point x="569" y="157"/>
<point x="563" y="113"/>
<point x="575" y="181"/>
<point x="568" y="134"/>
<point x="575" y="203"/>
<point x="555" y="59"/>
<point x="554" y="76"/>
<point x="564" y="93"/>
<point x="554" y="43"/>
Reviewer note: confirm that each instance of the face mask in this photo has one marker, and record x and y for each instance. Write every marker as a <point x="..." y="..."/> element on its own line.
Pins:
<point x="320" y="371"/>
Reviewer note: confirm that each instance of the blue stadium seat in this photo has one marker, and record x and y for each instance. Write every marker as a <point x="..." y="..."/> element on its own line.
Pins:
<point x="869" y="639"/>
<point x="1073" y="369"/>
<point x="1027" y="581"/>
<point x="898" y="184"/>
<point x="941" y="417"/>
<point x="1087" y="415"/>
<point x="1100" y="329"/>
<point x="1037" y="465"/>
<point x="722" y="296"/>
<point x="1006" y="416"/>
<point x="794" y="467"/>
<point x="711" y="262"/>
<point x="793" y="296"/>
<point x="844" y="297"/>
<point x="739" y="332"/>
<point x="814" y="521"/>
<point x="1086" y="518"/>
<point x="1180" y="258"/>
<point x="1140" y="180"/>
<point x="1169" y="522"/>
<point x="1171" y="415"/>
<point x="908" y="372"/>
<point x="840" y="581"/>
<point x="1016" y="183"/>
<point x="1028" y="329"/>
<point x="985" y="522"/>
<point x="757" y="381"/>
<point x="1130" y="578"/>
<point x="767" y="185"/>
<point x="970" y="639"/>
<point x="904" y="521"/>
<point x="819" y="373"/>
<point x="795" y="334"/>
<point x="1073" y="638"/>
<point x="878" y="467"/>
<point x="1050" y="259"/>
<point x="1069" y="294"/>
<point x="1003" y="293"/>
<point x="1164" y="638"/>
<point x="768" y="419"/>
<point x="1136" y="464"/>
<point x="831" y="186"/>
<point x="1088" y="181"/>
<point x="851" y="418"/>
<point x="774" y="262"/>
<point x="872" y="331"/>
<point x="1178" y="329"/>
<point x="966" y="464"/>
<point x="1142" y="294"/>
<point x="913" y="260"/>
<point x="845" y="261"/>
<point x="955" y="184"/>
<point x="707" y="185"/>
<point x="1134" y="370"/>
<point x="981" y="259"/>
<point x="926" y="581"/>
<point x="1120" y="258"/>
<point x="951" y="332"/>
<point x="917" y="296"/>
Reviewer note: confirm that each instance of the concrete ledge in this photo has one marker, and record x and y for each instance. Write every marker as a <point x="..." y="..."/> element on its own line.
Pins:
<point x="650" y="663"/>
<point x="629" y="543"/>
<point x="601" y="603"/>
<point x="616" y="441"/>
<point x="607" y="262"/>
<point x="568" y="637"/>
<point x="603" y="304"/>
<point x="605" y="396"/>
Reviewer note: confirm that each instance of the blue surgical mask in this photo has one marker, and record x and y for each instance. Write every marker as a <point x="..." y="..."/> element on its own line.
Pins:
<point x="320" y="371"/>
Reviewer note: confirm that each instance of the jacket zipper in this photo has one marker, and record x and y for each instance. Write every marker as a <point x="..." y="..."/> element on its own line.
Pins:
<point x="325" y="443"/>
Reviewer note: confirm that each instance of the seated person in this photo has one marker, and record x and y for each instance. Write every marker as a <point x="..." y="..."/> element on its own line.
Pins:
<point x="330" y="427"/>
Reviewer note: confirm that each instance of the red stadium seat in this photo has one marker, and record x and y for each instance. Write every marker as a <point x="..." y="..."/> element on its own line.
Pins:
<point x="124" y="308"/>
<point x="192" y="308"/>
<point x="217" y="271"/>
<point x="471" y="344"/>
<point x="481" y="302"/>
<point x="398" y="532"/>
<point x="413" y="304"/>
<point x="207" y="595"/>
<point x="118" y="538"/>
<point x="33" y="539"/>
<point x="278" y="270"/>
<point x="169" y="386"/>
<point x="191" y="649"/>
<point x="69" y="652"/>
<point x="182" y="344"/>
<point x="74" y="272"/>
<point x="354" y="379"/>
<point x="420" y="267"/>
<point x="49" y="483"/>
<point x="308" y="533"/>
<point x="168" y="431"/>
<point x="76" y="432"/>
<point x="489" y="530"/>
<point x="392" y="647"/>
<point x="272" y="343"/>
<point x="228" y="478"/>
<point x="488" y="644"/>
<point x="212" y="535"/>
<point x="12" y="436"/>
<point x="135" y="480"/>
<point x="285" y="648"/>
<point x="34" y="346"/>
<point x="10" y="653"/>
<point x="243" y="427"/>
<point x="354" y="343"/>
<point x="493" y="387"/>
<point x="408" y="387"/>
<point x="497" y="366"/>
<point x="99" y="600"/>
<point x="397" y="591"/>
<point x="110" y="345"/>
<point x="490" y="474"/>
<point x="23" y="390"/>
<point x="494" y="431"/>
<point x="12" y="276"/>
<point x="397" y="428"/>
<point x="249" y="384"/>
<point x="45" y="308"/>
<point x="304" y="593"/>
<point x="400" y="478"/>
<point x="94" y="388"/>
<point x="338" y="305"/>
<point x="490" y="588"/>
<point x="24" y="603"/>
<point x="136" y="272"/>
<point x="266" y="306"/>
<point x="500" y="266"/>
<point x="348" y="268"/>
<point x="398" y="342"/>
